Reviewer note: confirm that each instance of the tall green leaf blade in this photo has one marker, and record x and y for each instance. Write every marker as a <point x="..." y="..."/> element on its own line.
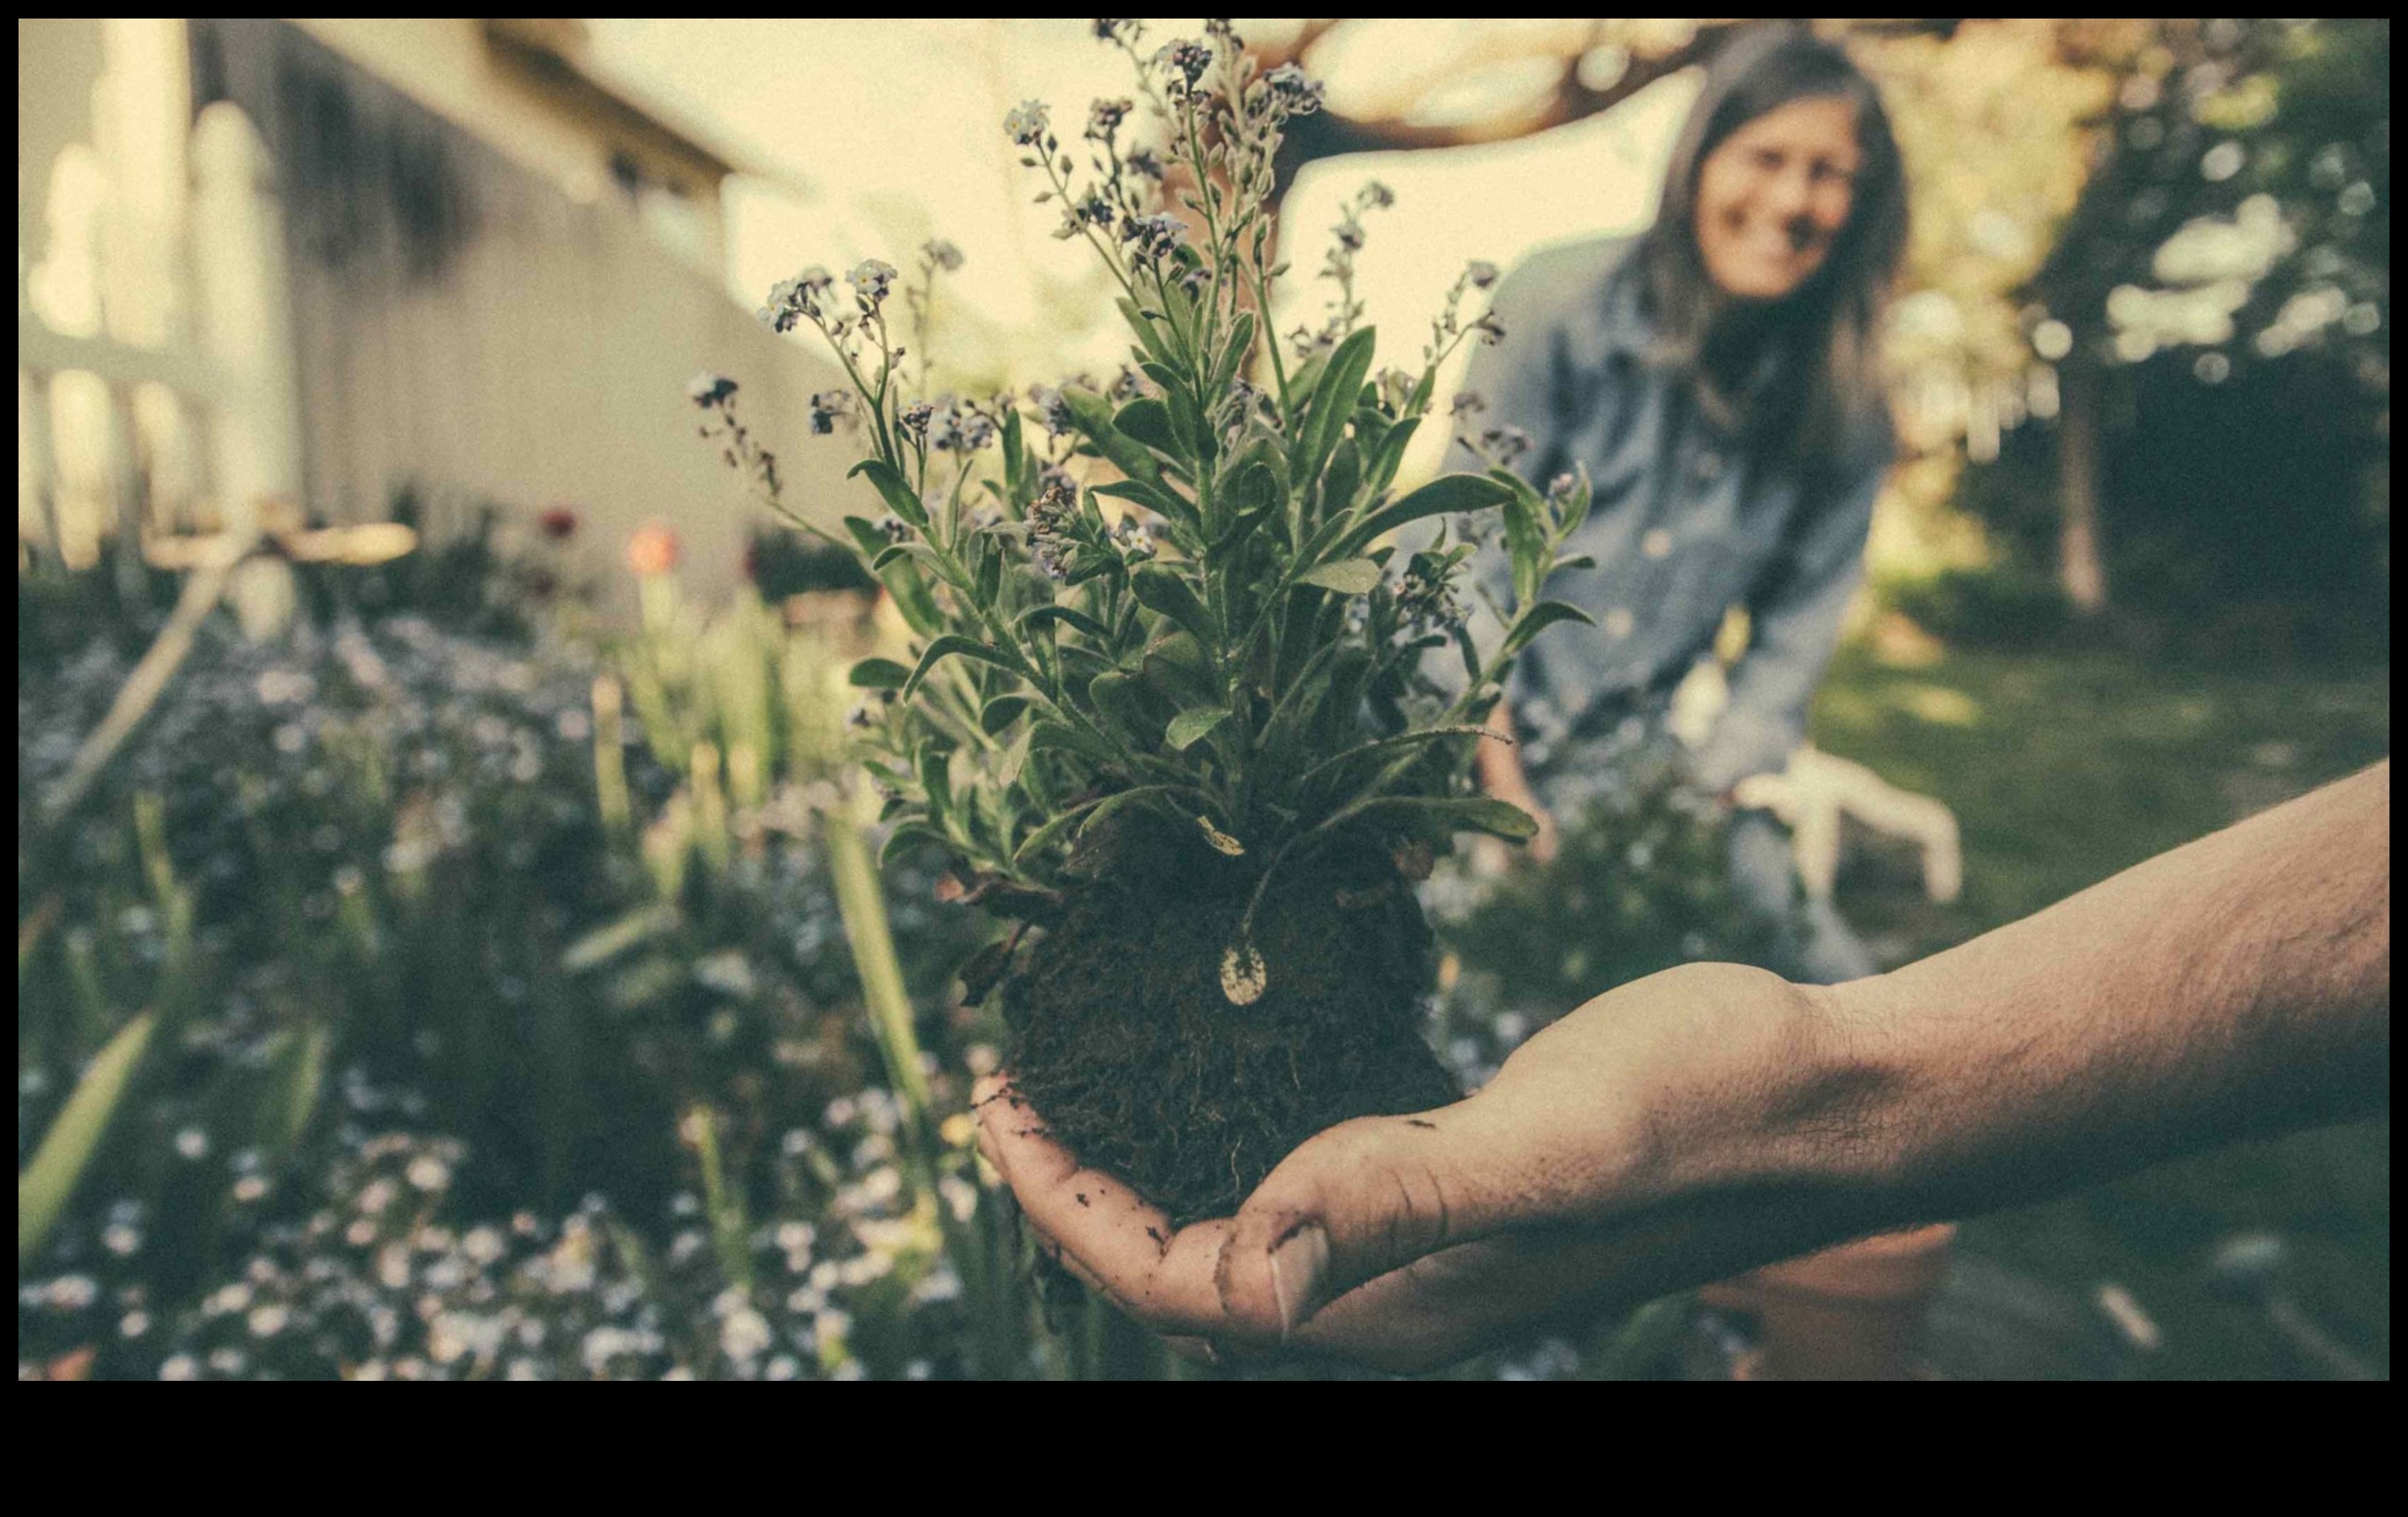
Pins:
<point x="1537" y="620"/>
<point x="1333" y="402"/>
<point x="44" y="1185"/>
<point x="948" y="646"/>
<point x="298" y="1072"/>
<point x="1444" y="495"/>
<point x="899" y="496"/>
<point x="1457" y="813"/>
<point x="1039" y="616"/>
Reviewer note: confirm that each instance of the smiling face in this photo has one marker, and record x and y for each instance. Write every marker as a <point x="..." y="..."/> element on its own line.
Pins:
<point x="1773" y="198"/>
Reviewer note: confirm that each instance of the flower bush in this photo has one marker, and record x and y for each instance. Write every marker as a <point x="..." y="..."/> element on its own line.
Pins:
<point x="391" y="890"/>
<point x="1172" y="593"/>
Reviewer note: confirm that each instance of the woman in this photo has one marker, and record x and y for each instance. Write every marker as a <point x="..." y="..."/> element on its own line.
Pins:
<point x="1717" y="378"/>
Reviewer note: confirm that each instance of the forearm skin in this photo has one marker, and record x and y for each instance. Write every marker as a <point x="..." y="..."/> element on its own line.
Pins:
<point x="2237" y="987"/>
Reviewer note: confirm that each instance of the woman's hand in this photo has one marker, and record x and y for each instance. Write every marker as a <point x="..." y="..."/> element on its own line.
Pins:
<point x="1610" y="1161"/>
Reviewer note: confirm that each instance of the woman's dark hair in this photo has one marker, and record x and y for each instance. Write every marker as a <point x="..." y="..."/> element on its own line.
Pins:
<point x="1822" y="339"/>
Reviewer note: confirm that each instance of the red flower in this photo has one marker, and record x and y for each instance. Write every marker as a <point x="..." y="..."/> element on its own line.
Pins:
<point x="559" y="524"/>
<point x="653" y="550"/>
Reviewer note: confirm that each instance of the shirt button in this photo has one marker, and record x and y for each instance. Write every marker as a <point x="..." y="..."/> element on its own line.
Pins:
<point x="1657" y="543"/>
<point x="1619" y="623"/>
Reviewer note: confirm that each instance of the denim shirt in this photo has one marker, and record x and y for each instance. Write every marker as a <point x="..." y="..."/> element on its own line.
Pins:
<point x="1684" y="525"/>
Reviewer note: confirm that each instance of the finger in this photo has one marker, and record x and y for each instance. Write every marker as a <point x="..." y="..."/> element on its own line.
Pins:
<point x="1111" y="1236"/>
<point x="1351" y="1205"/>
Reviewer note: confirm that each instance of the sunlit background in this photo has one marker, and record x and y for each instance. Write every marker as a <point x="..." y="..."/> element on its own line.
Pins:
<point x="394" y="319"/>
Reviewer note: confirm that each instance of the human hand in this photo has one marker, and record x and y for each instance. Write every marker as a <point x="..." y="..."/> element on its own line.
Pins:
<point x="1642" y="1144"/>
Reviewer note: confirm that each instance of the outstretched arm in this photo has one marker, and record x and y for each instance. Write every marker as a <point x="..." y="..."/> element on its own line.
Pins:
<point x="1711" y="1118"/>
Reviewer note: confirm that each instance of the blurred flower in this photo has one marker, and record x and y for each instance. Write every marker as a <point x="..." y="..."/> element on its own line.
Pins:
<point x="1104" y="118"/>
<point x="559" y="524"/>
<point x="1296" y="92"/>
<point x="1025" y="124"/>
<point x="1185" y="60"/>
<point x="791" y="301"/>
<point x="653" y="550"/>
<point x="1154" y="237"/>
<point x="829" y="407"/>
<point x="871" y="279"/>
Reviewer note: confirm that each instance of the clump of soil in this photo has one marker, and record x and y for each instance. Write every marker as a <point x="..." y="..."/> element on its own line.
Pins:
<point x="1126" y="1048"/>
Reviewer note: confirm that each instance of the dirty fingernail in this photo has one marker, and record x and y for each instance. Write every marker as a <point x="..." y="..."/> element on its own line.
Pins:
<point x="1299" y="1271"/>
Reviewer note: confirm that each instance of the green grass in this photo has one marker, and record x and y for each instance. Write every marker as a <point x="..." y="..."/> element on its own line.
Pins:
<point x="2063" y="769"/>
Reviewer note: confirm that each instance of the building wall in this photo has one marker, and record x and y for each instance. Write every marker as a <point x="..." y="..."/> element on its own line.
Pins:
<point x="467" y="329"/>
<point x="542" y="119"/>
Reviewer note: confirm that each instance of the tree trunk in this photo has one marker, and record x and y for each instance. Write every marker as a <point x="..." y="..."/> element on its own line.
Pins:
<point x="2080" y="562"/>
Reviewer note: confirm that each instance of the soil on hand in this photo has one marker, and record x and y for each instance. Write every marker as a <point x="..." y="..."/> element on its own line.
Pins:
<point x="1129" y="1051"/>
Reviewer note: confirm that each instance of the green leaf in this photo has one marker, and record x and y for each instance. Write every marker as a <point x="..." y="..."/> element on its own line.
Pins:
<point x="911" y="831"/>
<point x="1063" y="737"/>
<point x="607" y="943"/>
<point x="1348" y="576"/>
<point x="1112" y="804"/>
<point x="936" y="777"/>
<point x="1148" y="421"/>
<point x="1015" y="457"/>
<point x="946" y="647"/>
<point x="899" y="496"/>
<point x="1457" y="813"/>
<point x="1346" y="477"/>
<point x="44" y="1185"/>
<point x="1387" y="458"/>
<point x="1159" y="498"/>
<point x="1143" y="326"/>
<point x="1537" y="620"/>
<point x="1526" y="544"/>
<point x="1083" y="815"/>
<point x="1001" y="712"/>
<point x="1444" y="495"/>
<point x="1333" y="402"/>
<point x="1233" y="353"/>
<point x="1007" y="771"/>
<point x="1119" y="697"/>
<point x="879" y="674"/>
<point x="1381" y="744"/>
<point x="902" y="580"/>
<point x="1163" y="590"/>
<point x="990" y="574"/>
<point x="298" y="1069"/>
<point x="1094" y="415"/>
<point x="1041" y="616"/>
<point x="1189" y="725"/>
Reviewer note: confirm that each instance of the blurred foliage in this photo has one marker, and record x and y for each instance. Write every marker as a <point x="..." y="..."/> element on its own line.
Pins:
<point x="2063" y="770"/>
<point x="780" y="564"/>
<point x="363" y="882"/>
<point x="2200" y="254"/>
<point x="1639" y="884"/>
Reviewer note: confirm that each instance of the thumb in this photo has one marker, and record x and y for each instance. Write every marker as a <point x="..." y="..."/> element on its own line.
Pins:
<point x="1352" y="1204"/>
